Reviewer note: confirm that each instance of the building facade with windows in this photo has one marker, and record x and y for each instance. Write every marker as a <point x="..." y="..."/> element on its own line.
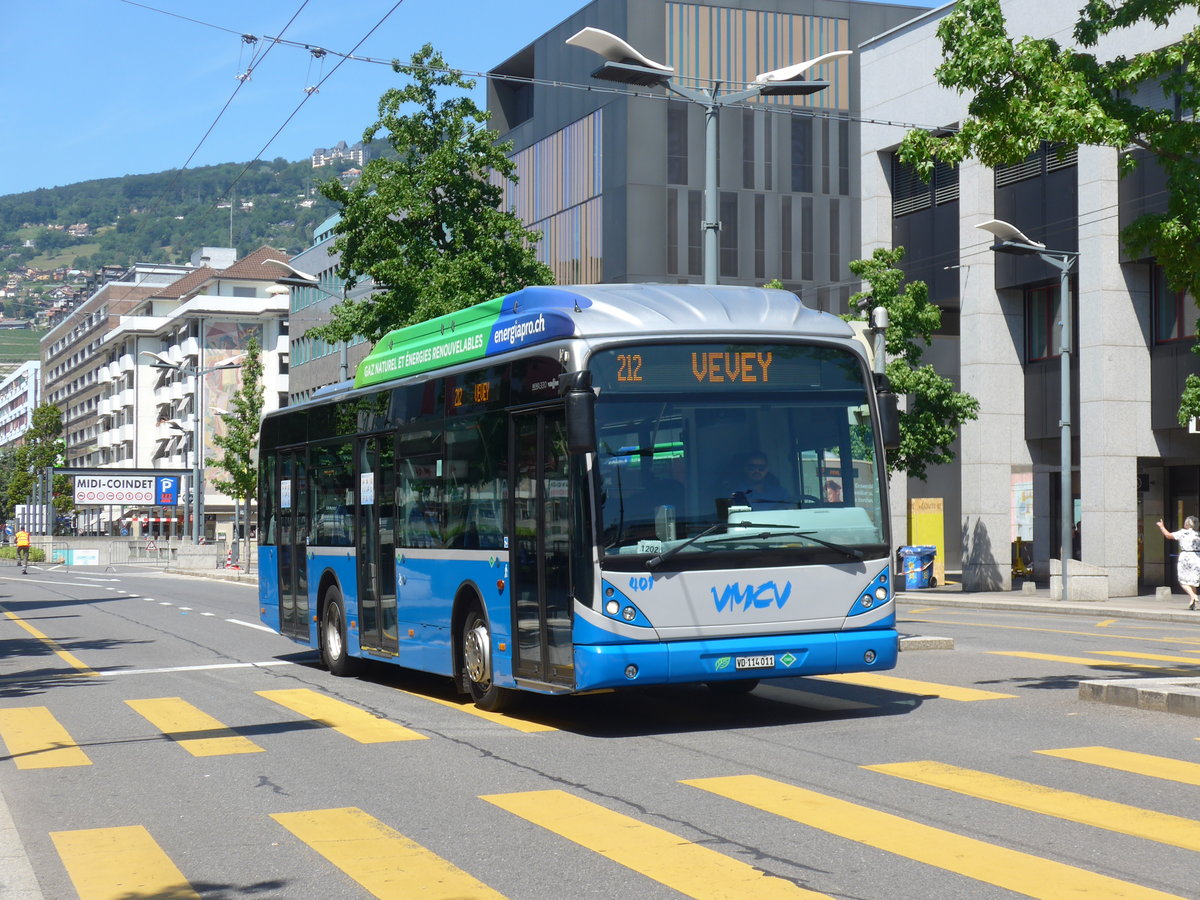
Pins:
<point x="20" y="394"/>
<point x="613" y="176"/>
<point x="168" y="370"/>
<point x="315" y="362"/>
<point x="1132" y="463"/>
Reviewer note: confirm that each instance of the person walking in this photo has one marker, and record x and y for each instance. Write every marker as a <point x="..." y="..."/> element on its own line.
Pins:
<point x="1187" y="569"/>
<point x="22" y="540"/>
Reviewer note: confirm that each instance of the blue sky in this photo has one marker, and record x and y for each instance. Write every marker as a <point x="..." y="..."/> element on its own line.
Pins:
<point x="104" y="88"/>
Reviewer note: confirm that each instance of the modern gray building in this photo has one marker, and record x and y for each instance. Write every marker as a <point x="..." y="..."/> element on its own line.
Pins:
<point x="613" y="176"/>
<point x="1131" y="462"/>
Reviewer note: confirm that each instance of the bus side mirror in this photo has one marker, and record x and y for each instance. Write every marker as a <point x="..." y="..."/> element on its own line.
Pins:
<point x="580" y="411"/>
<point x="889" y="419"/>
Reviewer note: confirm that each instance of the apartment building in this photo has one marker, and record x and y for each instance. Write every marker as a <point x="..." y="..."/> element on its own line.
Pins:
<point x="20" y="394"/>
<point x="170" y="365"/>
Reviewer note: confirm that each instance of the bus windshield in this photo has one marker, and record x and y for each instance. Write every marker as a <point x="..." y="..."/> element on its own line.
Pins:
<point x="716" y="455"/>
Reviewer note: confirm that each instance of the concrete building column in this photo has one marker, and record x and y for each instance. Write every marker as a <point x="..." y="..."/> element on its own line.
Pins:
<point x="991" y="372"/>
<point x="1114" y="381"/>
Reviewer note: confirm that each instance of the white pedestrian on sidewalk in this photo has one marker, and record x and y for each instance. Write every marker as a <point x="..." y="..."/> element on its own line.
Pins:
<point x="1187" y="569"/>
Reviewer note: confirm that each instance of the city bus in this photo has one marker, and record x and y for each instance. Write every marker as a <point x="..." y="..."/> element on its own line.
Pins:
<point x="593" y="487"/>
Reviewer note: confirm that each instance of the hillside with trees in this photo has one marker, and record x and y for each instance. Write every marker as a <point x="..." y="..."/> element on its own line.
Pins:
<point x="165" y="216"/>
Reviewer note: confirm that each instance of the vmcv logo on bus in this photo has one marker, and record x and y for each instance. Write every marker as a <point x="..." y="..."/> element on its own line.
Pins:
<point x="751" y="597"/>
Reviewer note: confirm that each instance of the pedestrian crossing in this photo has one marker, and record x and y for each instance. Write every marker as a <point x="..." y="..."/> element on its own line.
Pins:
<point x="648" y="841"/>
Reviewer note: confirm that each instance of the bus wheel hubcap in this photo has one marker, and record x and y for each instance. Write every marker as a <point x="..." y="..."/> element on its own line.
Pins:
<point x="333" y="638"/>
<point x="476" y="653"/>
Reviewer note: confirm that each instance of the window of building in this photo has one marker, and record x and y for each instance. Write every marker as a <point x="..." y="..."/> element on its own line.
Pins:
<point x="1174" y="312"/>
<point x="729" y="233"/>
<point x="802" y="154"/>
<point x="1043" y="333"/>
<point x="677" y="142"/>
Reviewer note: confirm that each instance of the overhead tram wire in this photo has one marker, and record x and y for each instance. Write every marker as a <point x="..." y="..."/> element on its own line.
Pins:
<point x="308" y="94"/>
<point x="255" y="61"/>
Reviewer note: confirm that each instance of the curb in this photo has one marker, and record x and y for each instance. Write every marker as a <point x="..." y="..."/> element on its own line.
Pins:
<point x="1174" y="695"/>
<point x="919" y="642"/>
<point x="990" y="601"/>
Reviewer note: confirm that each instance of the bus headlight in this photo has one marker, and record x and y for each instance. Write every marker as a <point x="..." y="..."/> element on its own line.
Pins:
<point x="612" y="607"/>
<point x="881" y="593"/>
<point x="631" y="671"/>
<point x="629" y="614"/>
<point x="869" y="657"/>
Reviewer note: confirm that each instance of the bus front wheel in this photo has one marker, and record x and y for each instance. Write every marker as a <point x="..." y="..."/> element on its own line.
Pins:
<point x="334" y="652"/>
<point x="477" y="664"/>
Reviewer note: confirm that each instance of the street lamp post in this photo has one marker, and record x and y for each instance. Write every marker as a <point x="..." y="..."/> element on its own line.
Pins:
<point x="197" y="373"/>
<point x="1009" y="239"/>
<point x="626" y="65"/>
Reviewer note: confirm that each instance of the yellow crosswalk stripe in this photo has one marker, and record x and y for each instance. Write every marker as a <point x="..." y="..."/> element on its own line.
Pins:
<point x="909" y="686"/>
<point x="1078" y="660"/>
<point x="65" y="655"/>
<point x="354" y="723"/>
<point x="680" y="864"/>
<point x="195" y="731"/>
<point x="1128" y="761"/>
<point x="382" y="860"/>
<point x="1155" y="656"/>
<point x="36" y="740"/>
<point x="1117" y="817"/>
<point x="119" y="863"/>
<point x="1011" y="869"/>
<point x="523" y="725"/>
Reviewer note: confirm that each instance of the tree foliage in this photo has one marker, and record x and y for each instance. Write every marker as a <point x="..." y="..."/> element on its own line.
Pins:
<point x="1027" y="90"/>
<point x="929" y="425"/>
<point x="44" y="446"/>
<point x="240" y="440"/>
<point x="424" y="223"/>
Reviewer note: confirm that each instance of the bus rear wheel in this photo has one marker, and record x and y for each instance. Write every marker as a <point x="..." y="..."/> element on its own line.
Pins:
<point x="334" y="652"/>
<point x="476" y="649"/>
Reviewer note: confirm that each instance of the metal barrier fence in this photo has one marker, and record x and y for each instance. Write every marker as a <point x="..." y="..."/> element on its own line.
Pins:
<point x="142" y="552"/>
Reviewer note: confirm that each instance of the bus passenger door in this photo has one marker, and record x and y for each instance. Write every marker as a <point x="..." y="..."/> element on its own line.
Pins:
<point x="293" y="545"/>
<point x="377" y="544"/>
<point x="539" y="554"/>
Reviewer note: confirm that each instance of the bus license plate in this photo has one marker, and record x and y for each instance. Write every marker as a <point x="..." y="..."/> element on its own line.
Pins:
<point x="754" y="662"/>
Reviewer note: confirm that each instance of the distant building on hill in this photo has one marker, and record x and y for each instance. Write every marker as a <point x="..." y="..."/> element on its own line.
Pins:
<point x="356" y="154"/>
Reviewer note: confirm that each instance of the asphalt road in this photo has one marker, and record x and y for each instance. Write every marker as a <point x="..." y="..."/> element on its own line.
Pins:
<point x="158" y="744"/>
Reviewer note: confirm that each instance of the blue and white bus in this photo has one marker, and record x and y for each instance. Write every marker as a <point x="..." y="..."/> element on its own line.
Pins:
<point x="574" y="488"/>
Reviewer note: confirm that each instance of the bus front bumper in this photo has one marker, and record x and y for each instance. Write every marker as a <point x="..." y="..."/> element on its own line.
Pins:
<point x="731" y="659"/>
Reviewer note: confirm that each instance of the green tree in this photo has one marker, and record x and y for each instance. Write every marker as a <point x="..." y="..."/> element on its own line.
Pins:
<point x="240" y="440"/>
<point x="935" y="410"/>
<point x="424" y="222"/>
<point x="1028" y="90"/>
<point x="44" y="446"/>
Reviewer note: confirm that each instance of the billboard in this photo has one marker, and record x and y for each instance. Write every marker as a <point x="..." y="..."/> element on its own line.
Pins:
<point x="142" y="490"/>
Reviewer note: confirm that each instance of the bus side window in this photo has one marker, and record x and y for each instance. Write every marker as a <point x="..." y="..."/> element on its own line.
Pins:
<point x="419" y="503"/>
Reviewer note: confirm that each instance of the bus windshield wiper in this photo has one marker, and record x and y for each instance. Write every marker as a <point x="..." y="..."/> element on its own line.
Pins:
<point x="852" y="552"/>
<point x="655" y="561"/>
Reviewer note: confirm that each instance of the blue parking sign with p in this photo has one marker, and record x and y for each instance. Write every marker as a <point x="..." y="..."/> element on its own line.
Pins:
<point x="167" y="490"/>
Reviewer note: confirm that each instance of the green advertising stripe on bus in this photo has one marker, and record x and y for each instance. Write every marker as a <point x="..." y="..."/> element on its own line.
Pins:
<point x="444" y="341"/>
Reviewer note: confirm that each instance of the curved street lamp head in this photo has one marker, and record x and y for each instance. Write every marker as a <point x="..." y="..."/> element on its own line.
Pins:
<point x="162" y="361"/>
<point x="792" y="73"/>
<point x="1005" y="231"/>
<point x="614" y="49"/>
<point x="287" y="265"/>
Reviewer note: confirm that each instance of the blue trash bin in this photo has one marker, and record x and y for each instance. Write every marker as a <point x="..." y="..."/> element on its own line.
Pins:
<point x="917" y="565"/>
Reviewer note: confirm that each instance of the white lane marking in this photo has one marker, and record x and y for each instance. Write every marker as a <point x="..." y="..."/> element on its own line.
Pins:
<point x="253" y="625"/>
<point x="96" y="578"/>
<point x="166" y="603"/>
<point x="249" y="665"/>
<point x="186" y="608"/>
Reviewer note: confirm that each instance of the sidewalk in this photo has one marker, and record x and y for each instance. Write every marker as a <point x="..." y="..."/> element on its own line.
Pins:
<point x="1037" y="599"/>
